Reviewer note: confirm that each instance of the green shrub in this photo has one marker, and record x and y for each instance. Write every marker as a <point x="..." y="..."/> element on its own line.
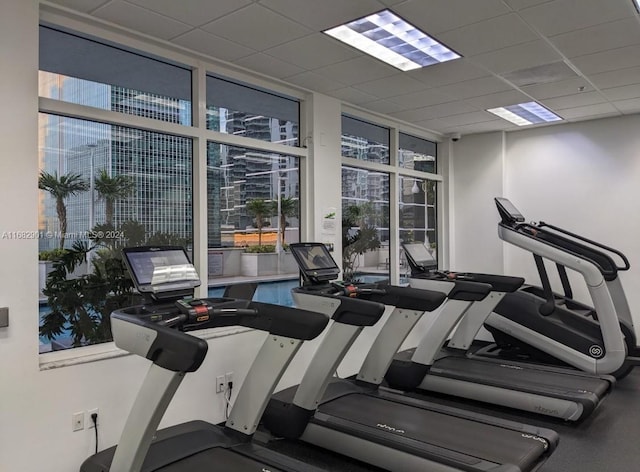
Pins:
<point x="51" y="255"/>
<point x="260" y="249"/>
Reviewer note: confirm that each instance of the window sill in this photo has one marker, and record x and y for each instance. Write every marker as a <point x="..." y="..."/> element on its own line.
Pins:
<point x="99" y="352"/>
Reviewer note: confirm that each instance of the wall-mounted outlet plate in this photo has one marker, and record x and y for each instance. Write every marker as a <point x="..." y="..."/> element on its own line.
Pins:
<point x="77" y="421"/>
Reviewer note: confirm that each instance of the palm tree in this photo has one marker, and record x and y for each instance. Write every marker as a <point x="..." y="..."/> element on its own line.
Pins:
<point x="111" y="189"/>
<point x="60" y="188"/>
<point x="288" y="208"/>
<point x="260" y="209"/>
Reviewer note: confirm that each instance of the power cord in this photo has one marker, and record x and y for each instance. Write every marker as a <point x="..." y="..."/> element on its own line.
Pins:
<point x="227" y="399"/>
<point x="94" y="418"/>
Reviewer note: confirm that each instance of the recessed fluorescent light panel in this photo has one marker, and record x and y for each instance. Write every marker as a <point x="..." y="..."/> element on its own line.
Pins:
<point x="637" y="4"/>
<point x="524" y="114"/>
<point x="389" y="38"/>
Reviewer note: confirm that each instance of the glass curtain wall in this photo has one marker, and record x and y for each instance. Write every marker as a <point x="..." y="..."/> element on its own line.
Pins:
<point x="104" y="186"/>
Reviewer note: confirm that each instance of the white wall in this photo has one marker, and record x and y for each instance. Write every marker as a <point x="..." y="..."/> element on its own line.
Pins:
<point x="477" y="178"/>
<point x="579" y="176"/>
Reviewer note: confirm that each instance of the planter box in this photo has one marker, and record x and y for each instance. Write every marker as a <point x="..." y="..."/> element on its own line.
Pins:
<point x="45" y="268"/>
<point x="254" y="264"/>
<point x="224" y="262"/>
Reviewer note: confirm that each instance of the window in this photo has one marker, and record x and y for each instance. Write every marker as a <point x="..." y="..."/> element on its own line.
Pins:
<point x="365" y="224"/>
<point x="418" y="211"/>
<point x="82" y="71"/>
<point x="108" y="184"/>
<point x="234" y="108"/>
<point x="364" y="141"/>
<point x="253" y="211"/>
<point x="416" y="153"/>
<point x="103" y="187"/>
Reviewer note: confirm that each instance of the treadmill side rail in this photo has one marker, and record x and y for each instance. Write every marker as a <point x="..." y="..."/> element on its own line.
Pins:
<point x="326" y="360"/>
<point x="389" y="339"/>
<point x="158" y="388"/>
<point x="265" y="373"/>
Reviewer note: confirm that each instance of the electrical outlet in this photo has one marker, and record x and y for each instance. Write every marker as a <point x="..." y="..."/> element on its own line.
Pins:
<point x="89" y="421"/>
<point x="228" y="377"/>
<point x="220" y="385"/>
<point x="77" y="421"/>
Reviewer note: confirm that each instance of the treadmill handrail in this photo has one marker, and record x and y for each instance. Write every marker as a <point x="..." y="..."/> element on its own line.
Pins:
<point x="626" y="266"/>
<point x="609" y="273"/>
<point x="164" y="346"/>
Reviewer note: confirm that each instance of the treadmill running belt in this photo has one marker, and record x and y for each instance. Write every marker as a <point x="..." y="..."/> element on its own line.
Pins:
<point x="217" y="459"/>
<point x="518" y="376"/>
<point x="473" y="438"/>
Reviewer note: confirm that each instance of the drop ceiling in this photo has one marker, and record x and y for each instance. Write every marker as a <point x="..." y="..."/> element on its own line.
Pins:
<point x="579" y="58"/>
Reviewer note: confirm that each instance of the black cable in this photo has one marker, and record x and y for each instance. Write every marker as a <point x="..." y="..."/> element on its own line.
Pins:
<point x="94" y="418"/>
<point x="229" y="389"/>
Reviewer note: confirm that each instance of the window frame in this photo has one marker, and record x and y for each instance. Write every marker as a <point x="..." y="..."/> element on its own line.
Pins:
<point x="395" y="170"/>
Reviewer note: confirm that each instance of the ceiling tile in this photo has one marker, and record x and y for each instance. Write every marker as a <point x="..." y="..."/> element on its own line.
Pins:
<point x="312" y="52"/>
<point x="560" y="16"/>
<point x="84" y="6"/>
<point x="501" y="99"/>
<point x="358" y="70"/>
<point x="475" y="88"/>
<point x="141" y="20"/>
<point x="623" y="93"/>
<point x="522" y="4"/>
<point x="314" y="82"/>
<point x="193" y="12"/>
<point x="351" y="95"/>
<point x="558" y="89"/>
<point x="421" y="99"/>
<point x="391" y="86"/>
<point x="575" y="100"/>
<point x="598" y="38"/>
<point x="621" y="58"/>
<point x="321" y="15"/>
<point x="437" y="16"/>
<point x="517" y="57"/>
<point x="589" y="111"/>
<point x="205" y="43"/>
<point x="483" y="127"/>
<point x="268" y="65"/>
<point x="391" y="3"/>
<point x="256" y="27"/>
<point x="616" y="78"/>
<point x="489" y="35"/>
<point x="383" y="106"/>
<point x="435" y="111"/>
<point x="628" y="106"/>
<point x="449" y="72"/>
<point x="467" y="118"/>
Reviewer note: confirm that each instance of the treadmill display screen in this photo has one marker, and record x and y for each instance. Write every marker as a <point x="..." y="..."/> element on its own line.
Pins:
<point x="420" y="254"/>
<point x="152" y="266"/>
<point x="509" y="209"/>
<point x="313" y="256"/>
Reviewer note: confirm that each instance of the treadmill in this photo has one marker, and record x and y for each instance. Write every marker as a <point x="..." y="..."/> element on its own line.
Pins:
<point x="356" y="418"/>
<point x="158" y="331"/>
<point x="452" y="368"/>
<point x="546" y="327"/>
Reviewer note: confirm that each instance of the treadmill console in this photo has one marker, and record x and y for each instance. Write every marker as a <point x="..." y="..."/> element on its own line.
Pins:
<point x="508" y="212"/>
<point x="419" y="257"/>
<point x="315" y="262"/>
<point x="163" y="272"/>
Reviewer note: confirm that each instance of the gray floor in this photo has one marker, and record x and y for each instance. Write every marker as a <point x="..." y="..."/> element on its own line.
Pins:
<point x="607" y="441"/>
